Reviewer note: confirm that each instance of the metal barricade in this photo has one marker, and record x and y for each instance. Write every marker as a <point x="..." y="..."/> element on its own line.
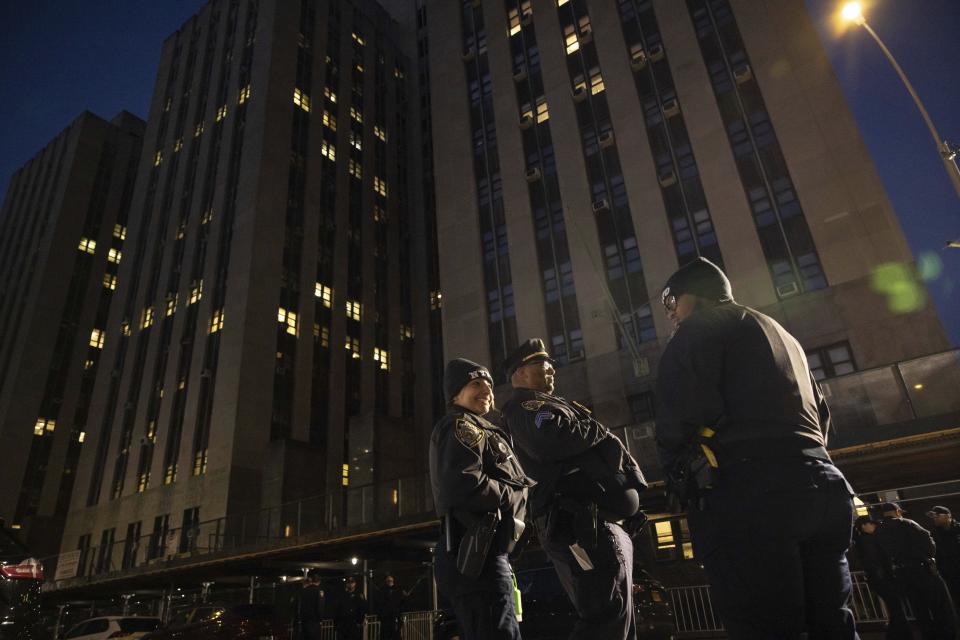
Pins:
<point x="693" y="609"/>
<point x="418" y="625"/>
<point x="326" y="630"/>
<point x="371" y="627"/>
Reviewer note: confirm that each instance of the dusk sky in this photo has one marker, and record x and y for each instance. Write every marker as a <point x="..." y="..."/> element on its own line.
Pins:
<point x="60" y="58"/>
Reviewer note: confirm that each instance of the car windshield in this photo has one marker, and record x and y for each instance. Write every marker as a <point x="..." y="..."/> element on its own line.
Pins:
<point x="130" y="625"/>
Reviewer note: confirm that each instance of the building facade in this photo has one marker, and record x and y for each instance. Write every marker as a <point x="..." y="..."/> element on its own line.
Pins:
<point x="590" y="148"/>
<point x="273" y="338"/>
<point x="64" y="226"/>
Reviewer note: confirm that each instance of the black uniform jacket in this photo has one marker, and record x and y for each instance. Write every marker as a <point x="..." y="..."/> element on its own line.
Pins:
<point x="948" y="549"/>
<point x="473" y="469"/>
<point x="567" y="451"/>
<point x="904" y="541"/>
<point x="739" y="372"/>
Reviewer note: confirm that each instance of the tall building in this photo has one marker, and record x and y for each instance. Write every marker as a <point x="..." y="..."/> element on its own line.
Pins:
<point x="590" y="148"/>
<point x="64" y="226"/>
<point x="273" y="335"/>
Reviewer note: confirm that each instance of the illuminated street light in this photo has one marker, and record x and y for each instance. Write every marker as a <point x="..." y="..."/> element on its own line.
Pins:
<point x="852" y="12"/>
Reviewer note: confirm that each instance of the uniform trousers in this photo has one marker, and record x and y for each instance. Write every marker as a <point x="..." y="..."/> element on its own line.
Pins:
<point x="930" y="601"/>
<point x="603" y="595"/>
<point x="484" y="605"/>
<point x="772" y="536"/>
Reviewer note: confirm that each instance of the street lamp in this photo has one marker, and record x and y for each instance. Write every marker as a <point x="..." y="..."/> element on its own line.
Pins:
<point x="852" y="12"/>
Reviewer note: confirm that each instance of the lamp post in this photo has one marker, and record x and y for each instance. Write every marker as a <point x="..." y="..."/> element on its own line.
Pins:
<point x="852" y="12"/>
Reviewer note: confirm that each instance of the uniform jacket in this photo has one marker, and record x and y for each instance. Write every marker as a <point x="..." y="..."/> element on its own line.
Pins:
<point x="739" y="372"/>
<point x="948" y="549"/>
<point x="904" y="541"/>
<point x="555" y="437"/>
<point x="473" y="469"/>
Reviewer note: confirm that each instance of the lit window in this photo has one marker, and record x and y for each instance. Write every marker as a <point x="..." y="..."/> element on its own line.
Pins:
<point x="88" y="364"/>
<point x="380" y="132"/>
<point x="221" y="113"/>
<point x="170" y="475"/>
<point x="81" y="437"/>
<point x="329" y="120"/>
<point x="560" y="3"/>
<point x="328" y="150"/>
<point x="353" y="346"/>
<point x="325" y="294"/>
<point x="216" y="321"/>
<point x="43" y="426"/>
<point x="436" y="300"/>
<point x="146" y="319"/>
<point x="171" y="304"/>
<point x="207" y="216"/>
<point x="198" y="129"/>
<point x="329" y="94"/>
<point x="379" y="215"/>
<point x="143" y="479"/>
<point x="181" y="231"/>
<point x="158" y="158"/>
<point x="358" y="67"/>
<point x="406" y="332"/>
<point x="542" y="113"/>
<point x="288" y="318"/>
<point x="244" y="95"/>
<point x="596" y="81"/>
<point x="513" y="18"/>
<point x="358" y="39"/>
<point x="380" y="186"/>
<point x="345" y="475"/>
<point x="664" y="531"/>
<point x="125" y="328"/>
<point x="119" y="232"/>
<point x="301" y="99"/>
<point x="398" y="73"/>
<point x="356" y="140"/>
<point x="88" y="246"/>
<point x="177" y="145"/>
<point x="96" y="338"/>
<point x="356" y="170"/>
<point x="196" y="291"/>
<point x="354" y="310"/>
<point x="114" y="256"/>
<point x="570" y="39"/>
<point x="322" y="334"/>
<point x="200" y="462"/>
<point x="356" y="114"/>
<point x="383" y="357"/>
<point x="526" y="111"/>
<point x="168" y="104"/>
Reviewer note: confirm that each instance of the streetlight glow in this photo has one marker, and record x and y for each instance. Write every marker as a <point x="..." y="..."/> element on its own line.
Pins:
<point x="852" y="12"/>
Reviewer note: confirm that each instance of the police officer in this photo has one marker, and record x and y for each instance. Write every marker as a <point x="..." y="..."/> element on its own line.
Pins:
<point x="741" y="432"/>
<point x="910" y="550"/>
<point x="587" y="493"/>
<point x="480" y="492"/>
<point x="946" y="533"/>
<point x="880" y="577"/>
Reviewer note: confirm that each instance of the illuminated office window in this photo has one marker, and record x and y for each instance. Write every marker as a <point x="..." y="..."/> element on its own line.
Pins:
<point x="329" y="94"/>
<point x="114" y="256"/>
<point x="44" y="426"/>
<point x="570" y="39"/>
<point x="171" y="304"/>
<point x="196" y="291"/>
<point x="542" y="113"/>
<point x="301" y="99"/>
<point x="216" y="321"/>
<point x="146" y="319"/>
<point x="356" y="114"/>
<point x="200" y="462"/>
<point x="345" y="475"/>
<point x="328" y="150"/>
<point x="221" y="113"/>
<point x="244" y="95"/>
<point x="383" y="357"/>
<point x="353" y="346"/>
<point x="88" y="246"/>
<point x="380" y="132"/>
<point x="596" y="81"/>
<point x="322" y="334"/>
<point x="288" y="318"/>
<point x="198" y="129"/>
<point x="354" y="309"/>
<point x="119" y="232"/>
<point x="329" y="121"/>
<point x="325" y="294"/>
<point x="158" y="158"/>
<point x="355" y="169"/>
<point x="436" y="300"/>
<point x="178" y="145"/>
<point x="380" y="186"/>
<point x="96" y="338"/>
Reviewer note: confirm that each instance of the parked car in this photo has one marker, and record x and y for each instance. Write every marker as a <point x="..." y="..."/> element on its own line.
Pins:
<point x="20" y="578"/>
<point x="126" y="627"/>
<point x="240" y="622"/>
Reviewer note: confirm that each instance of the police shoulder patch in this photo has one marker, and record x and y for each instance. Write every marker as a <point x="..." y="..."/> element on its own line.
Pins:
<point x="468" y="434"/>
<point x="531" y="405"/>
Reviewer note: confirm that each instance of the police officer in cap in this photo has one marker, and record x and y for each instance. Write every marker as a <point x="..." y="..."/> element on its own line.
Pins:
<point x="910" y="550"/>
<point x="946" y="533"/>
<point x="480" y="492"/>
<point x="880" y="577"/>
<point x="586" y="499"/>
<point x="741" y="432"/>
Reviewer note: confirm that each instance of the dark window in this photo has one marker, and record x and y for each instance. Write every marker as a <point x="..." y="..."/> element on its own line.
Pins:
<point x="642" y="407"/>
<point x="832" y="360"/>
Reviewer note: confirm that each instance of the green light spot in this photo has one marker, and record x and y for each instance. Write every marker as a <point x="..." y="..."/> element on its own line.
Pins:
<point x="899" y="284"/>
<point x="930" y="266"/>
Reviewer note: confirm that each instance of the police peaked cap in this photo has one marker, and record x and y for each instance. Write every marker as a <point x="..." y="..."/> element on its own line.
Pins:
<point x="531" y="351"/>
<point x="699" y="278"/>
<point x="460" y="372"/>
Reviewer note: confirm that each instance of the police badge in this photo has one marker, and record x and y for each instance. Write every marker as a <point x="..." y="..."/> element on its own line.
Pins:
<point x="468" y="434"/>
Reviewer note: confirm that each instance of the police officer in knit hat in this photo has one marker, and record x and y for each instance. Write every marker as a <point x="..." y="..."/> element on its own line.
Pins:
<point x="480" y="493"/>
<point x="741" y="431"/>
<point x="586" y="503"/>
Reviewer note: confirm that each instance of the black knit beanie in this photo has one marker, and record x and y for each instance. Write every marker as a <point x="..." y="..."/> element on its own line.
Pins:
<point x="460" y="372"/>
<point x="699" y="278"/>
